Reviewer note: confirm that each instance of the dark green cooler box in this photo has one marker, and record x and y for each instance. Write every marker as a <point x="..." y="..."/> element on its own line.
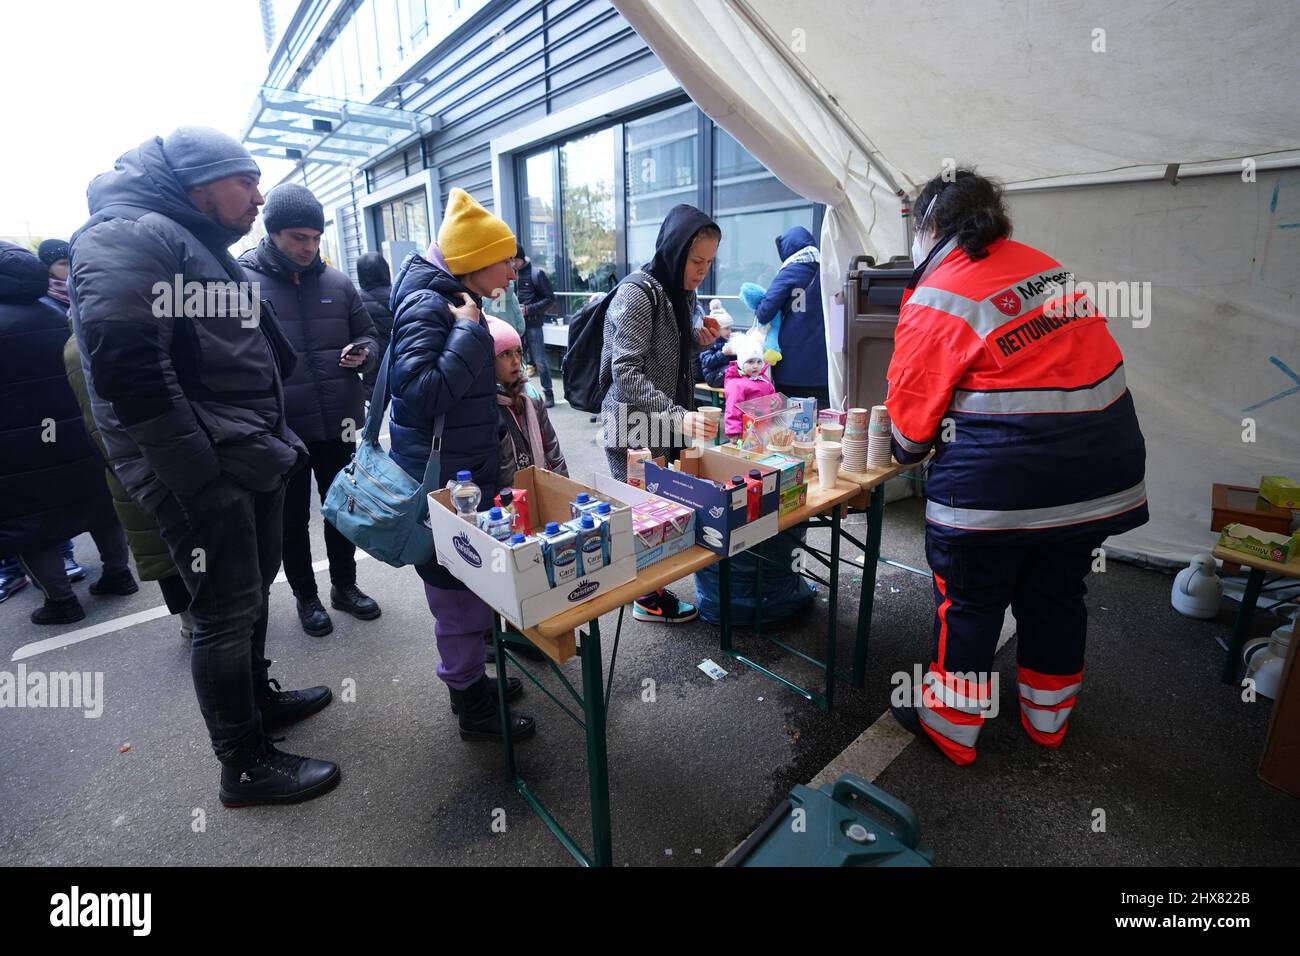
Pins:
<point x="850" y="824"/>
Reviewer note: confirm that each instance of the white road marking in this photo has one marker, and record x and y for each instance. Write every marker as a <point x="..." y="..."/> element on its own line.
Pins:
<point x="68" y="638"/>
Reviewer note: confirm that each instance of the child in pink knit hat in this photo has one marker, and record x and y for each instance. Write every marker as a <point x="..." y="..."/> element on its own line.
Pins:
<point x="527" y="437"/>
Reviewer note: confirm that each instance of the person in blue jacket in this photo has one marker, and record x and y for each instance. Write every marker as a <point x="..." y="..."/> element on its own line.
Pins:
<point x="796" y="295"/>
<point x="444" y="364"/>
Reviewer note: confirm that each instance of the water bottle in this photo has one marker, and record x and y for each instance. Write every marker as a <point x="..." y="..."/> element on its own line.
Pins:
<point x="465" y="497"/>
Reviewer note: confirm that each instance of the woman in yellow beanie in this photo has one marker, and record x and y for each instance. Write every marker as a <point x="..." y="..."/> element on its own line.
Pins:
<point x="444" y="365"/>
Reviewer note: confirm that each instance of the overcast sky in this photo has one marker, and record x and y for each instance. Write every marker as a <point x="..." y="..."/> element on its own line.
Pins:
<point x="86" y="80"/>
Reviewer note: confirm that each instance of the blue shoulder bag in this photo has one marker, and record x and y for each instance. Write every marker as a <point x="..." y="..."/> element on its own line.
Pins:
<point x="373" y="502"/>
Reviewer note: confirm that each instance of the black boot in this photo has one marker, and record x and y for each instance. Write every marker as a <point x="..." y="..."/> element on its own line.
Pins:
<point x="550" y="398"/>
<point x="476" y="709"/>
<point x="350" y="600"/>
<point x="315" y="620"/>
<point x="259" y="773"/>
<point x="283" y="707"/>
<point x="514" y="690"/>
<point x="67" y="611"/>
<point x="120" y="584"/>
<point x="527" y="651"/>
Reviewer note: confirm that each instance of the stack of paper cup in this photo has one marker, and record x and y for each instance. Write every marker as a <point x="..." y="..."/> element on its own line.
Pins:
<point x="828" y="463"/>
<point x="856" y="440"/>
<point x="878" y="434"/>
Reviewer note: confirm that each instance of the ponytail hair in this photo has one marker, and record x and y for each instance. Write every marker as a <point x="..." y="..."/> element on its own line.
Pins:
<point x="967" y="204"/>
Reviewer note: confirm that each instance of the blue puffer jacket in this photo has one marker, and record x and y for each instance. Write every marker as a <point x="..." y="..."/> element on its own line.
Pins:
<point x="803" y="333"/>
<point x="441" y="365"/>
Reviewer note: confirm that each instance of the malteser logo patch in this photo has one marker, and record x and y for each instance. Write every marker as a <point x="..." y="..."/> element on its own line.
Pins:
<point x="1008" y="303"/>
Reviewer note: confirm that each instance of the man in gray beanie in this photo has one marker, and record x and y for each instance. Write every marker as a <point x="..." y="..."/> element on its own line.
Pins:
<point x="183" y="371"/>
<point x="326" y="322"/>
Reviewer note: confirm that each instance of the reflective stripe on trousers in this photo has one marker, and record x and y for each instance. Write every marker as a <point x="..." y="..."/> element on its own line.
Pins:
<point x="1046" y="701"/>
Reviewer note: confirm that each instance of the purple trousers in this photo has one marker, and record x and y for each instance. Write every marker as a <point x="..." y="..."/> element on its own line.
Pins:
<point x="459" y="622"/>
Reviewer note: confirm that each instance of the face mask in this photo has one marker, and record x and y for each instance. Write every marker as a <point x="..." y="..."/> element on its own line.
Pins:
<point x="923" y="239"/>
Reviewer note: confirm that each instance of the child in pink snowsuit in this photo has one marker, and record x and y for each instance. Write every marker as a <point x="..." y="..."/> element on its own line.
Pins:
<point x="747" y="377"/>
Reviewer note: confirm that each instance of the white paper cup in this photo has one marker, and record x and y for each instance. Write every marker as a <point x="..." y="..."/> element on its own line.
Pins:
<point x="828" y="469"/>
<point x="833" y="432"/>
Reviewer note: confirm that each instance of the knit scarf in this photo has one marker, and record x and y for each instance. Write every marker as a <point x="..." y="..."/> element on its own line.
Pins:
<point x="530" y="426"/>
<point x="806" y="254"/>
<point x="58" y="289"/>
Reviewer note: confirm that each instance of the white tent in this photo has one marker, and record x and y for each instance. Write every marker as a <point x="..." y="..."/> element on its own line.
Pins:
<point x="1148" y="143"/>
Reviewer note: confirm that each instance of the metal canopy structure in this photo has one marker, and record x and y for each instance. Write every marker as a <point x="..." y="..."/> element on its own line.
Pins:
<point x="319" y="130"/>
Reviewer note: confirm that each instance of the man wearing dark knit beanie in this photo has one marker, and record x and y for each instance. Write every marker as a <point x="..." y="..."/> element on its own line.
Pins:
<point x="325" y="320"/>
<point x="183" y="374"/>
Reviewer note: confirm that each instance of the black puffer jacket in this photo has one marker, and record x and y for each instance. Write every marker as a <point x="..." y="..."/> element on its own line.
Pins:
<point x="51" y="476"/>
<point x="180" y="399"/>
<point x="441" y="365"/>
<point x="320" y="312"/>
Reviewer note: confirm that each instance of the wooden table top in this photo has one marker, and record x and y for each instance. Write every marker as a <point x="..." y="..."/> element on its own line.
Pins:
<point x="1291" y="569"/>
<point x="665" y="572"/>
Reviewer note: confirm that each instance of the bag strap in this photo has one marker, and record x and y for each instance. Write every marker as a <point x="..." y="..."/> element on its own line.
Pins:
<point x="435" y="456"/>
<point x="378" y="400"/>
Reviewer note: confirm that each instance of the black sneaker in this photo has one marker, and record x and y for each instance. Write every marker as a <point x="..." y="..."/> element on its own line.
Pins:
<point x="259" y="773"/>
<point x="662" y="607"/>
<point x="315" y="620"/>
<point x="350" y="600"/>
<point x="59" y="612"/>
<point x="280" y="708"/>
<point x="120" y="584"/>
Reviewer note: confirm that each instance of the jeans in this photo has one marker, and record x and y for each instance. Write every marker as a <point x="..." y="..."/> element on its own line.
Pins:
<point x="537" y="345"/>
<point x="327" y="459"/>
<point x="45" y="566"/>
<point x="228" y="564"/>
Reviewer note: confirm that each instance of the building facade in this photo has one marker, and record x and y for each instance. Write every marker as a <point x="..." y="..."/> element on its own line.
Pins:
<point x="552" y="113"/>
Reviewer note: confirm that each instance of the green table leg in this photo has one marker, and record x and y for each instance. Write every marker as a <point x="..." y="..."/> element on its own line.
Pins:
<point x="724" y="602"/>
<point x="593" y="706"/>
<point x="1241" y="630"/>
<point x="867" y="594"/>
<point x="503" y="707"/>
<point x="832" y="610"/>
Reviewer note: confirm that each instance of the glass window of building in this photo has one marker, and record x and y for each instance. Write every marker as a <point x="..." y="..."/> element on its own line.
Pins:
<point x="389" y="36"/>
<point x="662" y="171"/>
<point x="418" y="20"/>
<point x="588" y="171"/>
<point x="367" y="47"/>
<point x="404" y="219"/>
<point x="752" y="207"/>
<point x="540" y="228"/>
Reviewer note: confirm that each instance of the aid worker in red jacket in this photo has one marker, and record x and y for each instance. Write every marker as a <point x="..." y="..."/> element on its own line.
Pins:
<point x="1012" y="378"/>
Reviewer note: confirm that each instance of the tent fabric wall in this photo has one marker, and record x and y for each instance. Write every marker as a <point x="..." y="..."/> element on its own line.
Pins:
<point x="847" y="100"/>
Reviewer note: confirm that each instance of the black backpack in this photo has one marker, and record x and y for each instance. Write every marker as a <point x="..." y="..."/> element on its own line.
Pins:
<point x="581" y="364"/>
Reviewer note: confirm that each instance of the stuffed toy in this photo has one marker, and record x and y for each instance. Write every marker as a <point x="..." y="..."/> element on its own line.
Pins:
<point x="751" y="293"/>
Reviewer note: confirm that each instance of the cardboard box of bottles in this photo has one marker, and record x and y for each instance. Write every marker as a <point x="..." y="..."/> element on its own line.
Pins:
<point x="721" y="517"/>
<point x="608" y="487"/>
<point x="513" y="581"/>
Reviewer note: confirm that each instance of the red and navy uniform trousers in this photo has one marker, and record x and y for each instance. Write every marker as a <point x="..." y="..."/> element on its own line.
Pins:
<point x="1011" y="376"/>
